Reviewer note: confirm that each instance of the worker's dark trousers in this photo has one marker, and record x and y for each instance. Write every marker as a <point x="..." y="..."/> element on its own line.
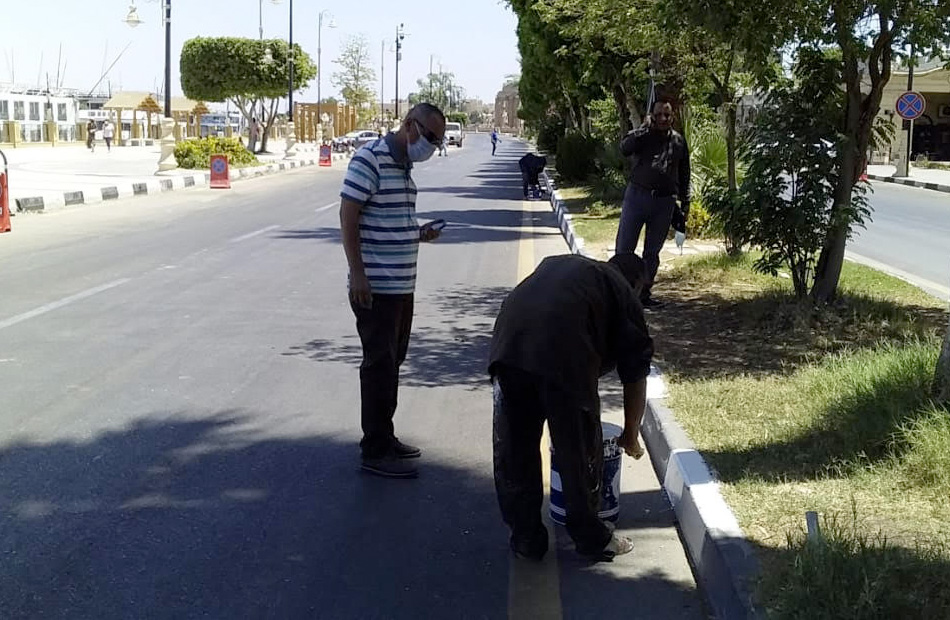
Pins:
<point x="642" y="208"/>
<point x="523" y="402"/>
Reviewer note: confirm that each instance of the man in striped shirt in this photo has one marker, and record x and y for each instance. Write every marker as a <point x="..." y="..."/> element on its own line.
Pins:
<point x="381" y="239"/>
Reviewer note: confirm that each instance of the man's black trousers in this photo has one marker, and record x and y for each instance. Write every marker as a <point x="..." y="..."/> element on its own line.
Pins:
<point x="523" y="401"/>
<point x="384" y="332"/>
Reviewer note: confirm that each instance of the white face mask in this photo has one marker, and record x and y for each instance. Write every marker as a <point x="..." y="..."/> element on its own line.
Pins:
<point x="420" y="150"/>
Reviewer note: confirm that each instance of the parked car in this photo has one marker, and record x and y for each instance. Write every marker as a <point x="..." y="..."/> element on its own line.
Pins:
<point x="454" y="134"/>
<point x="355" y="139"/>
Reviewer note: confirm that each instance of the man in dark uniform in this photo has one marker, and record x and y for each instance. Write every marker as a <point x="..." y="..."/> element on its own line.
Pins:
<point x="566" y="325"/>
<point x="659" y="175"/>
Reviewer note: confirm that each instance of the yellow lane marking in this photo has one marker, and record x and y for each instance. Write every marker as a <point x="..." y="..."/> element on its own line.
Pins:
<point x="534" y="590"/>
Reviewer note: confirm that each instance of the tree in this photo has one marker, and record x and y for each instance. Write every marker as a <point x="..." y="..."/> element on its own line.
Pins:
<point x="249" y="73"/>
<point x="441" y="90"/>
<point x="867" y="34"/>
<point x="785" y="200"/>
<point x="356" y="78"/>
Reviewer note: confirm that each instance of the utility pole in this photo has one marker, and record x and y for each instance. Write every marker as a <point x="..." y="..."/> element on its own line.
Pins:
<point x="382" y="83"/>
<point x="399" y="37"/>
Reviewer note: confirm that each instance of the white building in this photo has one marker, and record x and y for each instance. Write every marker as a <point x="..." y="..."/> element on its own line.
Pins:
<point x="38" y="113"/>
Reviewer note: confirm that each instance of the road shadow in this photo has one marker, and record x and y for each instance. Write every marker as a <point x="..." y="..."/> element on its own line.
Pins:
<point x="196" y="519"/>
<point x="204" y="518"/>
<point x="463" y="226"/>
<point x="450" y="340"/>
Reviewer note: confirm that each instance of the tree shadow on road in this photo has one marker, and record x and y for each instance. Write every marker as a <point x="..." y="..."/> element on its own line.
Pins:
<point x="449" y="344"/>
<point x="198" y="518"/>
<point x="181" y="516"/>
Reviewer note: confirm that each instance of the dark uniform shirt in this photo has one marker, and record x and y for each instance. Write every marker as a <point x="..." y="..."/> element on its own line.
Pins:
<point x="660" y="162"/>
<point x="572" y="321"/>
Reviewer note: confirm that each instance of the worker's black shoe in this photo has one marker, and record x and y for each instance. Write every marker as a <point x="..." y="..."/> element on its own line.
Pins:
<point x="531" y="547"/>
<point x="405" y="451"/>
<point x="389" y="466"/>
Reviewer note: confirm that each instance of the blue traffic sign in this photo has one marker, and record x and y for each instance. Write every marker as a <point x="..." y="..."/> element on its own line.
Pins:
<point x="911" y="105"/>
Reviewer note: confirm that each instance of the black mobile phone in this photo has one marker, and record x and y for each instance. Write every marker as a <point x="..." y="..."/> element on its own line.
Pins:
<point x="435" y="225"/>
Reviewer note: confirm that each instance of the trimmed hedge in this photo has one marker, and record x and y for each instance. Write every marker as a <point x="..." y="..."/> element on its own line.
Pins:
<point x="196" y="153"/>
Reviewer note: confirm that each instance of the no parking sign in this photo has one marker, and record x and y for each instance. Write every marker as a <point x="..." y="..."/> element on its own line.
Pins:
<point x="911" y="105"/>
<point x="220" y="179"/>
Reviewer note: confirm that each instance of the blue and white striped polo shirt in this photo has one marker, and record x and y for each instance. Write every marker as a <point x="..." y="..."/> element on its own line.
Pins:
<point x="389" y="231"/>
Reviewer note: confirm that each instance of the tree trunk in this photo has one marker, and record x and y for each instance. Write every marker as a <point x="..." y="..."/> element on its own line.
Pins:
<point x="831" y="259"/>
<point x="733" y="246"/>
<point x="941" y="387"/>
<point x="731" y="145"/>
<point x="623" y="114"/>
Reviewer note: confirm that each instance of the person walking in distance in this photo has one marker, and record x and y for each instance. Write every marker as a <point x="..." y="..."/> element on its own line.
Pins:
<point x="381" y="240"/>
<point x="252" y="134"/>
<point x="91" y="135"/>
<point x="566" y="325"/>
<point x="494" y="140"/>
<point x="660" y="174"/>
<point x="108" y="132"/>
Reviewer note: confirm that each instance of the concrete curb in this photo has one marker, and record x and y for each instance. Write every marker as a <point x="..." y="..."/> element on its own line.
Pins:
<point x="564" y="220"/>
<point x="157" y="185"/>
<point x="910" y="182"/>
<point x="724" y="563"/>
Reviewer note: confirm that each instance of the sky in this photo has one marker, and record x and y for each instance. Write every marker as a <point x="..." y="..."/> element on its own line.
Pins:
<point x="478" y="43"/>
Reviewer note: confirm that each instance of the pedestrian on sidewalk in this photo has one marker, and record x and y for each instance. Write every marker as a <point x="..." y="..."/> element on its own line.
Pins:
<point x="660" y="174"/>
<point x="91" y="135"/>
<point x="494" y="140"/>
<point x="381" y="239"/>
<point x="443" y="147"/>
<point x="253" y="132"/>
<point x="108" y="132"/>
<point x="569" y="323"/>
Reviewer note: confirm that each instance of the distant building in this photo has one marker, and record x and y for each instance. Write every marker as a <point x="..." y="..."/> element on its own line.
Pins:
<point x="33" y="114"/>
<point x="507" y="103"/>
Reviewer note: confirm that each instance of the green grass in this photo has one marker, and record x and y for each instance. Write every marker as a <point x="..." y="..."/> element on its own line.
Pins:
<point x="848" y="573"/>
<point x="595" y="222"/>
<point x="801" y="409"/>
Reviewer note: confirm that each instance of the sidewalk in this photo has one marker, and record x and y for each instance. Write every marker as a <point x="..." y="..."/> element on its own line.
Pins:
<point x="47" y="177"/>
<point x="925" y="178"/>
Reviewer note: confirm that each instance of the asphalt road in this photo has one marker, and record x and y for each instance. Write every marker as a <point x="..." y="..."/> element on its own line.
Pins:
<point x="179" y="417"/>
<point x="909" y="231"/>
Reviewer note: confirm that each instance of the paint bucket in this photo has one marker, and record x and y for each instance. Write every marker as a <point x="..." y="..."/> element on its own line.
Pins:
<point x="609" y="485"/>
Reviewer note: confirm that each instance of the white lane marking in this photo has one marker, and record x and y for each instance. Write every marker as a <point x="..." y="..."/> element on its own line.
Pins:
<point x="254" y="234"/>
<point x="329" y="206"/>
<point x="62" y="302"/>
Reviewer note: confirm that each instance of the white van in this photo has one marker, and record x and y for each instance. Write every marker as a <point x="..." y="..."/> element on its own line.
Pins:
<point x="454" y="134"/>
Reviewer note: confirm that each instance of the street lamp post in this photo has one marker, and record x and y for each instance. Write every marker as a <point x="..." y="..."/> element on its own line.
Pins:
<point x="399" y="37"/>
<point x="319" y="63"/>
<point x="166" y="160"/>
<point x="291" y="149"/>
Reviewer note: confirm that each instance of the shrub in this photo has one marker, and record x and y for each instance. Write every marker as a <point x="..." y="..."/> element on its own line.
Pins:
<point x="576" y="157"/>
<point x="550" y="130"/>
<point x="787" y="194"/>
<point x="197" y="153"/>
<point x="700" y="223"/>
